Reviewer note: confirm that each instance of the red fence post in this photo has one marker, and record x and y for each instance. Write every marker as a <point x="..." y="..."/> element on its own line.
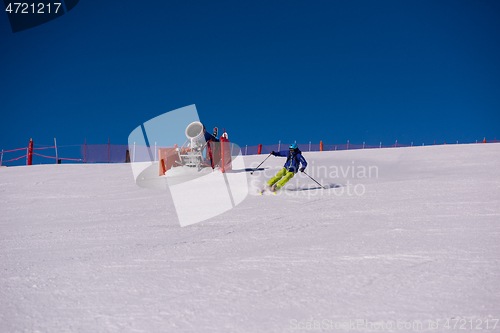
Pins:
<point x="260" y="149"/>
<point x="161" y="162"/>
<point x="321" y="146"/>
<point x="30" y="152"/>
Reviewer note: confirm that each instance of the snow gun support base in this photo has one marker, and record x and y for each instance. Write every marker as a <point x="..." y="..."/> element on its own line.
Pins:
<point x="192" y="157"/>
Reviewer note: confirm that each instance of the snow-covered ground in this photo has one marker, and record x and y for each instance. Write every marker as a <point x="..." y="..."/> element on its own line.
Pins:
<point x="83" y="249"/>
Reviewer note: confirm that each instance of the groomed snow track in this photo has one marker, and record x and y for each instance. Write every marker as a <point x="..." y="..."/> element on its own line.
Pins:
<point x="83" y="249"/>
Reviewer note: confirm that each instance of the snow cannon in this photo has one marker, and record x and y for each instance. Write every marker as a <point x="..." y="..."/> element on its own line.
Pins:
<point x="191" y="153"/>
<point x="200" y="150"/>
<point x="198" y="135"/>
<point x="195" y="132"/>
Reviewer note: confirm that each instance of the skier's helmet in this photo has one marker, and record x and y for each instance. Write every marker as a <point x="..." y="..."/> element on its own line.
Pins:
<point x="293" y="146"/>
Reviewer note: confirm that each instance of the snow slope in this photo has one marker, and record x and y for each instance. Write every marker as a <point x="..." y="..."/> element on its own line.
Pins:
<point x="83" y="249"/>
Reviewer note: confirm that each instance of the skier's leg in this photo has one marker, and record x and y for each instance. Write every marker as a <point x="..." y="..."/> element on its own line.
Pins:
<point x="278" y="176"/>
<point x="289" y="175"/>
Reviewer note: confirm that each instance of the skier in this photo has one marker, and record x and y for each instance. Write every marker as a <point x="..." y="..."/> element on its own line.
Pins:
<point x="213" y="148"/>
<point x="291" y="167"/>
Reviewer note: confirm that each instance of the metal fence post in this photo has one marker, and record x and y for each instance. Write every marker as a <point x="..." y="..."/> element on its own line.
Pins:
<point x="55" y="146"/>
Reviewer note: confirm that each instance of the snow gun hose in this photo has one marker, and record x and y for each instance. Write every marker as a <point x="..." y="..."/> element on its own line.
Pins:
<point x="260" y="164"/>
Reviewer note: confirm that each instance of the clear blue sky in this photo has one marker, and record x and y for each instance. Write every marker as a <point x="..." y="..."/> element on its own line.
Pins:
<point x="364" y="71"/>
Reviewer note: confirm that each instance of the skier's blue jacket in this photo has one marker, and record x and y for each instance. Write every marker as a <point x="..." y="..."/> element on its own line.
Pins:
<point x="293" y="160"/>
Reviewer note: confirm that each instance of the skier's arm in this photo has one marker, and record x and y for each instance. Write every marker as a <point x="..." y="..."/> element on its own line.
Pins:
<point x="283" y="153"/>
<point x="302" y="161"/>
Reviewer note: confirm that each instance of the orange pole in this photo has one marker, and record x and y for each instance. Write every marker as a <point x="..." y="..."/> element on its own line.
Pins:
<point x="260" y="149"/>
<point x="321" y="146"/>
<point x="484" y="140"/>
<point x="30" y="152"/>
<point x="162" y="168"/>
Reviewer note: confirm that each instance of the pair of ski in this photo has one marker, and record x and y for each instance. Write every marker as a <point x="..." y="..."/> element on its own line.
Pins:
<point x="272" y="190"/>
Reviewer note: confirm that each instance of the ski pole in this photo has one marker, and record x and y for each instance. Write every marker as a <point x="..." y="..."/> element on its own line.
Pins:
<point x="259" y="165"/>
<point x="314" y="180"/>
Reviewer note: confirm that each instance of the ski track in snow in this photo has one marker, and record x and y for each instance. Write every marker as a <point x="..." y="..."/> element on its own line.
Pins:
<point x="83" y="249"/>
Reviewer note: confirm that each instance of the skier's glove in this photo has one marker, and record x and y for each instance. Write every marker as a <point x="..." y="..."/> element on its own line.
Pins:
<point x="272" y="153"/>
<point x="302" y="169"/>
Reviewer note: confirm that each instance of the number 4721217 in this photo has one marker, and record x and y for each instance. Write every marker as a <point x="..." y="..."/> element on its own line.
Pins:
<point x="39" y="8"/>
